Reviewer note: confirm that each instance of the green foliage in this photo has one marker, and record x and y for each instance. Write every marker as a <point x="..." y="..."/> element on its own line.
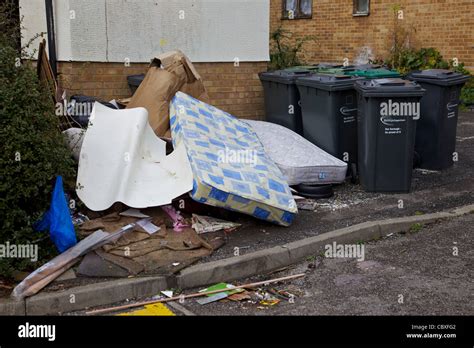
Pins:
<point x="431" y="58"/>
<point x="405" y="58"/>
<point x="408" y="60"/>
<point x="284" y="51"/>
<point x="467" y="92"/>
<point x="33" y="153"/>
<point x="416" y="228"/>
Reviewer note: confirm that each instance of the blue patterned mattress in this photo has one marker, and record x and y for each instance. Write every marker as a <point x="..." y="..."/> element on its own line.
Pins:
<point x="230" y="167"/>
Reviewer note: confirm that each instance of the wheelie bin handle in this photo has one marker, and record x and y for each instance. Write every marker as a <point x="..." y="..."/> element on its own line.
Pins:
<point x="347" y="112"/>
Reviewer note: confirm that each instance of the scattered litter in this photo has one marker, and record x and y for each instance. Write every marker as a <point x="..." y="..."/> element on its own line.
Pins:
<point x="80" y="107"/>
<point x="282" y="294"/>
<point x="114" y="103"/>
<point x="245" y="295"/>
<point x="167" y="293"/>
<point x="270" y="302"/>
<point x="79" y="219"/>
<point x="390" y="234"/>
<point x="427" y="171"/>
<point x="198" y="294"/>
<point x="306" y="204"/>
<point x="178" y="221"/>
<point x="74" y="139"/>
<point x="61" y="263"/>
<point x="223" y="286"/>
<point x="101" y="264"/>
<point x="148" y="226"/>
<point x="461" y="139"/>
<point x="175" y="264"/>
<point x="296" y="197"/>
<point x="158" y="251"/>
<point x="266" y="298"/>
<point x="122" y="103"/>
<point x="156" y="309"/>
<point x="212" y="298"/>
<point x="134" y="213"/>
<point x="204" y="224"/>
<point x="58" y="219"/>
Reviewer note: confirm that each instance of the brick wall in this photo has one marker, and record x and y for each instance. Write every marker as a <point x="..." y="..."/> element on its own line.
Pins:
<point x="444" y="24"/>
<point x="236" y="90"/>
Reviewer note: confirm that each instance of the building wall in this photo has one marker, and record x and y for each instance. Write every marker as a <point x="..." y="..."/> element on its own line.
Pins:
<point x="447" y="25"/>
<point x="236" y="90"/>
<point x="96" y="37"/>
<point x="137" y="30"/>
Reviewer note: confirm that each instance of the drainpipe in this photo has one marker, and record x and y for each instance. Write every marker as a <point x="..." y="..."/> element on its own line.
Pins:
<point x="51" y="36"/>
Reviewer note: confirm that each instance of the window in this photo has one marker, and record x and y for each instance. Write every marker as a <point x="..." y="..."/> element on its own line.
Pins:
<point x="361" y="8"/>
<point x="297" y="9"/>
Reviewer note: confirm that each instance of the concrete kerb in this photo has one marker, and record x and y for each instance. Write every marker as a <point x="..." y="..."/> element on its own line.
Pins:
<point x="11" y="307"/>
<point x="259" y="262"/>
<point x="268" y="260"/>
<point x="93" y="295"/>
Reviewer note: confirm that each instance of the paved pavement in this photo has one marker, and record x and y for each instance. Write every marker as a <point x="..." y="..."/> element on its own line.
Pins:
<point x="418" y="273"/>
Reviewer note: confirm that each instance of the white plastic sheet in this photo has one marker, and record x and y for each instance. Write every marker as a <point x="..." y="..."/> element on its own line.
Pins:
<point x="122" y="160"/>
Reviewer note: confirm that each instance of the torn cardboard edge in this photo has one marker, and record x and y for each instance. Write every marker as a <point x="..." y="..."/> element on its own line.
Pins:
<point x="167" y="74"/>
<point x="205" y="224"/>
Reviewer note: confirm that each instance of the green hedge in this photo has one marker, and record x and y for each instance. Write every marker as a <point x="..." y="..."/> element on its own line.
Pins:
<point x="33" y="153"/>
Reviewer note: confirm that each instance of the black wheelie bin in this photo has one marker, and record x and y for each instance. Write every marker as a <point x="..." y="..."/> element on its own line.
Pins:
<point x="436" y="130"/>
<point x="282" y="99"/>
<point x="329" y="114"/>
<point x="386" y="122"/>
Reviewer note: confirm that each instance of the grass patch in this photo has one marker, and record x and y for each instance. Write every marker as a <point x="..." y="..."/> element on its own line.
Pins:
<point x="415" y="228"/>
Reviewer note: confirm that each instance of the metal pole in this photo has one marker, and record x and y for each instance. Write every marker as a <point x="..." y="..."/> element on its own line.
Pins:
<point x="51" y="36"/>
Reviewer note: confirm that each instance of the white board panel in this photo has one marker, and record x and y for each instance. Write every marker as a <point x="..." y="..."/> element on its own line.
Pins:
<point x="115" y="30"/>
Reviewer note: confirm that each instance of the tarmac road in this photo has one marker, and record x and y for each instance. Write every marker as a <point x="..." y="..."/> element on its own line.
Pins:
<point x="417" y="273"/>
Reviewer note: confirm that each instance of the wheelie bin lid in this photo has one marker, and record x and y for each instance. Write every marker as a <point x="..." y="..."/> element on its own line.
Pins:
<point x="374" y="73"/>
<point x="389" y="88"/>
<point x="310" y="68"/>
<point x="367" y="66"/>
<point x="328" y="82"/>
<point x="135" y="80"/>
<point x="329" y="65"/>
<point x="441" y="77"/>
<point x="336" y="70"/>
<point x="283" y="76"/>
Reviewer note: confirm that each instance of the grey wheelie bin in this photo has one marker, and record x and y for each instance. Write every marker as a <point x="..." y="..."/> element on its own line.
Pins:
<point x="282" y="99"/>
<point x="387" y="114"/>
<point x="329" y="113"/>
<point x="436" y="130"/>
<point x="134" y="81"/>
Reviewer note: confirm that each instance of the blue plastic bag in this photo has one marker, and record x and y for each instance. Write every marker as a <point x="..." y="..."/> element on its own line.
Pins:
<point x="58" y="220"/>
